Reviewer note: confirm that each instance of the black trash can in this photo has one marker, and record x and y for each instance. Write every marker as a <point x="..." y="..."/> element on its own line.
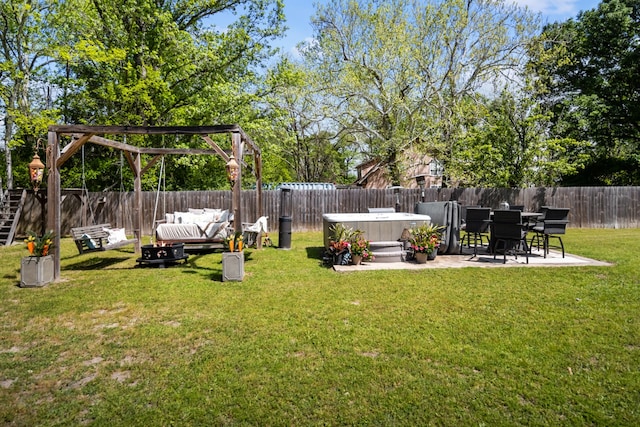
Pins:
<point x="284" y="236"/>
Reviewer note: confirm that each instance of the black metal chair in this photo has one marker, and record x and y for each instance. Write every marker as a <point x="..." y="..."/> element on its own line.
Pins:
<point x="463" y="211"/>
<point x="552" y="225"/>
<point x="507" y="228"/>
<point x="537" y="221"/>
<point x="476" y="225"/>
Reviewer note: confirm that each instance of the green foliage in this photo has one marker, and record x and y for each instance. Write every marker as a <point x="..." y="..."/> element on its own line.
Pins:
<point x="426" y="238"/>
<point x="508" y="146"/>
<point x="28" y="38"/>
<point x="588" y="77"/>
<point x="310" y="153"/>
<point x="149" y="63"/>
<point x="392" y="74"/>
<point x="378" y="78"/>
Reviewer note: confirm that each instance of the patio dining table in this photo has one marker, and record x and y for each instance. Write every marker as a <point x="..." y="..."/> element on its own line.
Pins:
<point x="527" y="218"/>
<point x="527" y="215"/>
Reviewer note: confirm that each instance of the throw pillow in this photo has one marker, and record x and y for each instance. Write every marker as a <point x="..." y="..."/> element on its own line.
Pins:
<point x="91" y="244"/>
<point x="115" y="235"/>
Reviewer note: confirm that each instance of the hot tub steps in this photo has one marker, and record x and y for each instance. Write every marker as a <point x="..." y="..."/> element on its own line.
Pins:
<point x="387" y="251"/>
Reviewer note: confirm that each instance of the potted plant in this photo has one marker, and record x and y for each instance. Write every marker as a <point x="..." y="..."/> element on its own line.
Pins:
<point x="340" y="244"/>
<point x="234" y="242"/>
<point x="360" y="248"/>
<point x="36" y="270"/>
<point x="424" y="241"/>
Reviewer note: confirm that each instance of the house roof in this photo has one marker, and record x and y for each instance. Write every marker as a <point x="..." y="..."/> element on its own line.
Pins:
<point x="363" y="179"/>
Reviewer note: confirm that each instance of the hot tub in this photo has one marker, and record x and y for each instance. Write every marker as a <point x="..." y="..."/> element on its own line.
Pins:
<point x="376" y="226"/>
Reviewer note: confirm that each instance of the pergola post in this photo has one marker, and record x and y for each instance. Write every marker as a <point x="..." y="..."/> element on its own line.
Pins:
<point x="53" y="198"/>
<point x="137" y="210"/>
<point x="236" y="147"/>
<point x="258" y="168"/>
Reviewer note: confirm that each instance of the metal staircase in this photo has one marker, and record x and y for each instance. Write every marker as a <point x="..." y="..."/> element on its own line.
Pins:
<point x="11" y="205"/>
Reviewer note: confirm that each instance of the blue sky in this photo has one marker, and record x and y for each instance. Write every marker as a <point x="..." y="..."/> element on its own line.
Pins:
<point x="299" y="12"/>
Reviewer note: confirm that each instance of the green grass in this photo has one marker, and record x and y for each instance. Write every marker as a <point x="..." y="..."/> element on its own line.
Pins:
<point x="296" y="343"/>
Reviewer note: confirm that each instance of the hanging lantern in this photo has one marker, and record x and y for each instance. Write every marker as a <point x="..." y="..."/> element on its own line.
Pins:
<point x="232" y="168"/>
<point x="36" y="170"/>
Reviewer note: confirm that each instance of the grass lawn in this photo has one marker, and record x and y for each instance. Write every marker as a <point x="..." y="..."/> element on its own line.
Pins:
<point x="296" y="343"/>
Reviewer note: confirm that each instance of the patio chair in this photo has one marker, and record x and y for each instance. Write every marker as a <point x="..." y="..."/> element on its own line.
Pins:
<point x="252" y="233"/>
<point x="476" y="225"/>
<point x="553" y="225"/>
<point x="507" y="228"/>
<point x="463" y="212"/>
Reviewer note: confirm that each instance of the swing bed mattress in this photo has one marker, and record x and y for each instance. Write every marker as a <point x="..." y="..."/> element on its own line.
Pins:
<point x="170" y="233"/>
<point x="195" y="226"/>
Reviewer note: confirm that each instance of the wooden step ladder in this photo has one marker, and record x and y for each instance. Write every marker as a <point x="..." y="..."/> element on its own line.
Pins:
<point x="10" y="210"/>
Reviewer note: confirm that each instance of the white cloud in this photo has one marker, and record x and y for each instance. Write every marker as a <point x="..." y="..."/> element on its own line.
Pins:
<point x="551" y="7"/>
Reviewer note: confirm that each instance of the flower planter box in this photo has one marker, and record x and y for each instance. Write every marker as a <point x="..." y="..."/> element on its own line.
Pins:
<point x="232" y="266"/>
<point x="36" y="272"/>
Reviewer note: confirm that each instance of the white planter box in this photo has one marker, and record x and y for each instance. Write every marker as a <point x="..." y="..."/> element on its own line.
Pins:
<point x="36" y="271"/>
<point x="232" y="266"/>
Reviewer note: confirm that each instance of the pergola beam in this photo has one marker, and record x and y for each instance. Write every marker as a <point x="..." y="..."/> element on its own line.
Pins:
<point x="105" y="142"/>
<point x="216" y="147"/>
<point x="72" y="148"/>
<point x="145" y="130"/>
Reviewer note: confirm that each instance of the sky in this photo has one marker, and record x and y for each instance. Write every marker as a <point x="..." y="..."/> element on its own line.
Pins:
<point x="298" y="14"/>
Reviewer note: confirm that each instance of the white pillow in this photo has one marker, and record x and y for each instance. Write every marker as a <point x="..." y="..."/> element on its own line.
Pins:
<point x="115" y="235"/>
<point x="183" y="217"/>
<point x="215" y="213"/>
<point x="216" y="229"/>
<point x="177" y="217"/>
<point x="196" y="211"/>
<point x="200" y="218"/>
<point x="168" y="218"/>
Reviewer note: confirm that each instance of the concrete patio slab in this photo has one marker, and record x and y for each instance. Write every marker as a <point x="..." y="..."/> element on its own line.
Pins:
<point x="482" y="260"/>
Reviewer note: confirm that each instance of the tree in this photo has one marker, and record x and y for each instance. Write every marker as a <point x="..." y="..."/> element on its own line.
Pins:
<point x="365" y="76"/>
<point x="399" y="72"/>
<point x="589" y="74"/>
<point x="509" y="146"/>
<point x="159" y="63"/>
<point x="309" y="150"/>
<point x="27" y="41"/>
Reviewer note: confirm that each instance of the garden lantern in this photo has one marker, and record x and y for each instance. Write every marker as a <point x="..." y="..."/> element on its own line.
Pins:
<point x="232" y="168"/>
<point x="36" y="170"/>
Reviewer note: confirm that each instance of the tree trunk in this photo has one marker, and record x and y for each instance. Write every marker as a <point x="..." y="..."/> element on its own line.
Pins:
<point x="8" y="134"/>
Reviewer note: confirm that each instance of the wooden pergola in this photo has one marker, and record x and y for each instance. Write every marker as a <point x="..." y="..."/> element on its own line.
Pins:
<point x="241" y="145"/>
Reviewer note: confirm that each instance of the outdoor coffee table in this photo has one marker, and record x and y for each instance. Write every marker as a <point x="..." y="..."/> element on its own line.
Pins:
<point x="162" y="256"/>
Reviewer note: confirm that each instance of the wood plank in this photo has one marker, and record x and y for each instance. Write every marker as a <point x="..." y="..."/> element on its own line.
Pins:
<point x="217" y="148"/>
<point x="145" y="130"/>
<point x="72" y="148"/>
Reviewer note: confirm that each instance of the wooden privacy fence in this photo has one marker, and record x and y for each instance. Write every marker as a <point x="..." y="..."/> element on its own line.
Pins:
<point x="591" y="207"/>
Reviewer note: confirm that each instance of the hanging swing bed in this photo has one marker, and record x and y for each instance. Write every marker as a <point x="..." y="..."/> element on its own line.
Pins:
<point x="241" y="146"/>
